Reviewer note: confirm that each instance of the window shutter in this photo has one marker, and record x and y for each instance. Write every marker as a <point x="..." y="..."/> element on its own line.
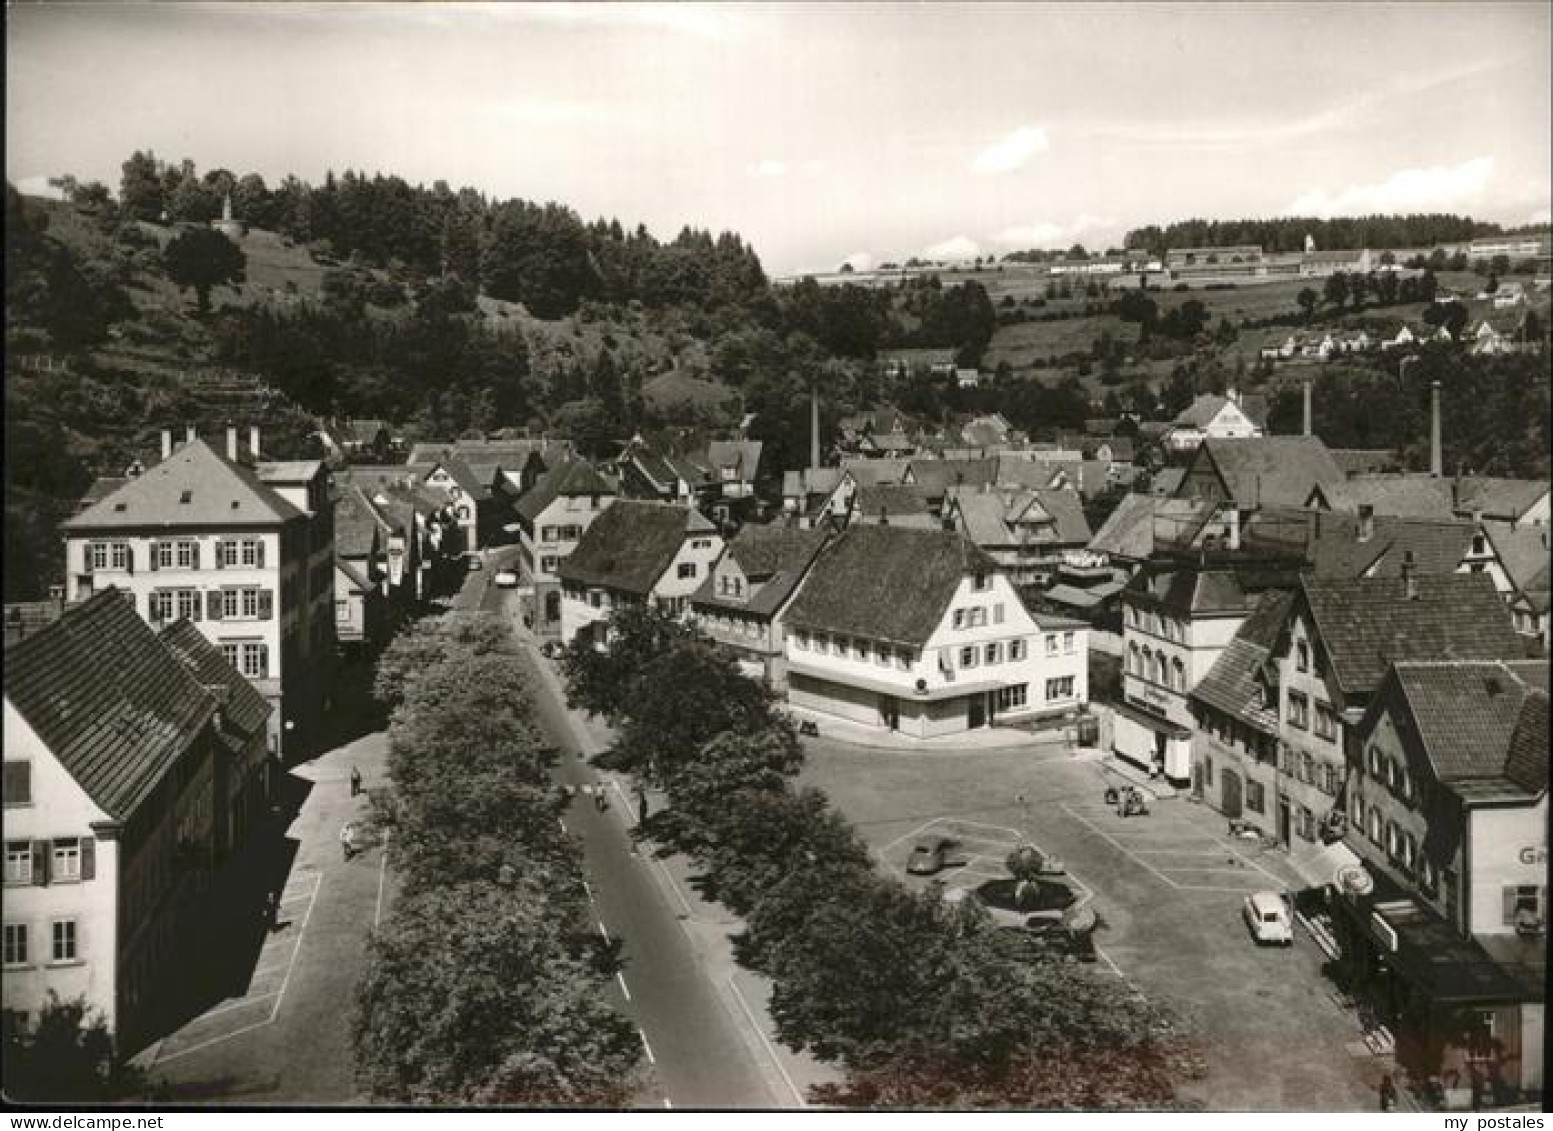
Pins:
<point x="266" y="604"/>
<point x="220" y="561"/>
<point x="195" y="608"/>
<point x="129" y="557"/>
<point x="1509" y="905"/>
<point x="156" y="548"/>
<point x="86" y="557"/>
<point x="213" y="603"/>
<point x="194" y="557"/>
<point x="258" y="559"/>
<point x="40" y="863"/>
<point x="88" y="857"/>
<point x="997" y="613"/>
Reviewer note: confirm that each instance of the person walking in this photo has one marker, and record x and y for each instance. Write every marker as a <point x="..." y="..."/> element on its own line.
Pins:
<point x="600" y="800"/>
<point x="641" y="804"/>
<point x="1388" y="1093"/>
<point x="355" y="781"/>
<point x="348" y="841"/>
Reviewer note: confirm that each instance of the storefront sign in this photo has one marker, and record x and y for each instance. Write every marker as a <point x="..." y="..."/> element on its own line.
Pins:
<point x="1384" y="931"/>
<point x="1534" y="856"/>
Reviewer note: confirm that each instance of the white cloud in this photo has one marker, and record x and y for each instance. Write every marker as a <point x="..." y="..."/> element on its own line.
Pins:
<point x="1440" y="187"/>
<point x="1541" y="216"/>
<point x="1012" y="151"/>
<point x="861" y="261"/>
<point x="1045" y="233"/>
<point x="956" y="247"/>
<point x="768" y="167"/>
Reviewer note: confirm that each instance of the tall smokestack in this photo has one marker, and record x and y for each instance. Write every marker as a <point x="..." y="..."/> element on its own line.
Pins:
<point x="1307" y="406"/>
<point x="1436" y="459"/>
<point x="814" y="429"/>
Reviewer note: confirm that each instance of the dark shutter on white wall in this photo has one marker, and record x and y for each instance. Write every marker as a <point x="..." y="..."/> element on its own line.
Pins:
<point x="213" y="603"/>
<point x="266" y="604"/>
<point x="88" y="857"/>
<point x="156" y="548"/>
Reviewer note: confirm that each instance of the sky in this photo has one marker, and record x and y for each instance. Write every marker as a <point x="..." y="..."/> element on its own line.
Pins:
<point x="819" y="132"/>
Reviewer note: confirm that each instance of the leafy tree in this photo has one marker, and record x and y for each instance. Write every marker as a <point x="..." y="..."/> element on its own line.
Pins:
<point x="1336" y="291"/>
<point x="140" y="188"/>
<point x="424" y="644"/>
<point x="203" y="258"/>
<point x="1308" y="300"/>
<point x="67" y="1056"/>
<point x="590" y="425"/>
<point x="479" y="994"/>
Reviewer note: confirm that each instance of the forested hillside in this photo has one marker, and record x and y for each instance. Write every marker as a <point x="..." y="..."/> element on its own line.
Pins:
<point x="1287" y="233"/>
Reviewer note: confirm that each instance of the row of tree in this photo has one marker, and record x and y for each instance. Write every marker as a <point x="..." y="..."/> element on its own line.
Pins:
<point x="1288" y="233"/>
<point x="485" y="984"/>
<point x="918" y="1000"/>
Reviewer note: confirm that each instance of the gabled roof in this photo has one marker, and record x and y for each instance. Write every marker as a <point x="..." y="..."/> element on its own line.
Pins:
<point x="1480" y="724"/>
<point x="353" y="574"/>
<point x="464" y="475"/>
<point x="983" y="517"/>
<point x="1366" y="624"/>
<point x="1412" y="496"/>
<point x="288" y="471"/>
<point x="935" y="476"/>
<point x="1193" y="590"/>
<point x="510" y="454"/>
<point x="357" y="524"/>
<point x="875" y="470"/>
<point x="1231" y="684"/>
<point x="1130" y="530"/>
<point x="1167" y="481"/>
<point x="1066" y="509"/>
<point x="1017" y="471"/>
<point x="101" y="488"/>
<point x="807" y="481"/>
<point x="886" y="583"/>
<point x="892" y="500"/>
<point x="576" y="478"/>
<point x="112" y="702"/>
<point x="1203" y="411"/>
<point x="631" y="544"/>
<point x="1523" y="552"/>
<point x="1499" y="498"/>
<point x="365" y="431"/>
<point x="218" y="492"/>
<point x="773" y="557"/>
<point x="1364" y="461"/>
<point x="741" y="454"/>
<point x="242" y="707"/>
<point x="1269" y="470"/>
<point x="1331" y="542"/>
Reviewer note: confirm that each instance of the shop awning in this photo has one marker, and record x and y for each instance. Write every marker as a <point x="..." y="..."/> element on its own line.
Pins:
<point x="1320" y="865"/>
<point x="1153" y="722"/>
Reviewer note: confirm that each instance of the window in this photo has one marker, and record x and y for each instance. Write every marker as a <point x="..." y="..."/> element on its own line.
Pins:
<point x="801" y="639"/>
<point x="701" y="544"/>
<point x="66" y="864"/>
<point x="251" y="553"/>
<point x="256" y="659"/>
<point x="595" y="599"/>
<point x="188" y="555"/>
<point x="903" y="659"/>
<point x="342" y="610"/>
<point x="189" y="603"/>
<point x="1326" y="721"/>
<point x="97" y="555"/>
<point x="1307" y="767"/>
<point x="1014" y="696"/>
<point x="64" y="940"/>
<point x="980" y="583"/>
<point x="1307" y="826"/>
<point x="1067" y="643"/>
<point x="162" y="554"/>
<point x="1409" y="853"/>
<point x="1299" y="710"/>
<point x="547" y="563"/>
<point x="1428" y="878"/>
<point x="1329" y="779"/>
<point x="1051" y="643"/>
<point x="16" y="944"/>
<point x="229" y="653"/>
<point x="1059" y="688"/>
<point x="959" y="618"/>
<point x="997" y="613"/>
<point x="1358" y="812"/>
<point x="1016" y="650"/>
<point x="1177" y="674"/>
<point x="968" y="657"/>
<point x="977" y="617"/>
<point x="162" y="605"/>
<point x="1523" y="901"/>
<point x="1375" y="826"/>
<point x="1132" y="615"/>
<point x="1207" y="772"/>
<point x="121" y="555"/>
<point x="547" y="534"/>
<point x="992" y="653"/>
<point x="18" y="861"/>
<point x="883" y="657"/>
<point x="1256" y="797"/>
<point x="1375" y="762"/>
<point x="1302" y="656"/>
<point x="686" y="569"/>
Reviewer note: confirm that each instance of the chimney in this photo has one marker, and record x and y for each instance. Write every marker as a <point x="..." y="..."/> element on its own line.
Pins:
<point x="1366" y="522"/>
<point x="1436" y="460"/>
<point x="1307" y="407"/>
<point x="253" y="440"/>
<point x="814" y="429"/>
<point x="1409" y="582"/>
<point x="231" y="442"/>
<point x="167" y="443"/>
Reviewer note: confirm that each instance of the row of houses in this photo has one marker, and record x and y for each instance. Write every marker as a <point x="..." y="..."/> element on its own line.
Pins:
<point x="1490" y="336"/>
<point x="909" y="629"/>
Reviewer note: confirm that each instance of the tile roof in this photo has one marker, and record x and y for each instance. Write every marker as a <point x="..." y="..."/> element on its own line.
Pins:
<point x="1523" y="552"/>
<point x="886" y="583"/>
<point x="464" y="475"/>
<point x="1231" y="684"/>
<point x="1191" y="589"/>
<point x="1364" y="461"/>
<point x="875" y="470"/>
<point x="350" y="570"/>
<point x="1365" y="624"/>
<point x="1167" y="481"/>
<point x="631" y="543"/>
<point x="1330" y="542"/>
<point x="894" y="500"/>
<point x="23" y="618"/>
<point x="1409" y="496"/>
<point x="357" y="524"/>
<point x="1131" y="529"/>
<point x="242" y="707"/>
<point x="575" y="478"/>
<point x="108" y="698"/>
<point x="510" y="454"/>
<point x="218" y="493"/>
<point x="983" y="517"/>
<point x="365" y="431"/>
<point x="1269" y="470"/>
<point x="287" y="471"/>
<point x="773" y="557"/>
<point x="1066" y="510"/>
<point x="742" y="454"/>
<point x="805" y="481"/>
<point x="1499" y="498"/>
<point x="1480" y="722"/>
<point x="101" y="488"/>
<point x="1203" y="411"/>
<point x="935" y="476"/>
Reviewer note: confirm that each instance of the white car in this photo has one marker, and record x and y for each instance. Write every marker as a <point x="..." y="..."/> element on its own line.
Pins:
<point x="1268" y="918"/>
<point x="506" y="579"/>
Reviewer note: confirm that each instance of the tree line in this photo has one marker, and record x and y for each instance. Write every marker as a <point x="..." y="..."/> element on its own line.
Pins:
<point x="1288" y="233"/>
<point x="919" y="1001"/>
<point x="485" y="984"/>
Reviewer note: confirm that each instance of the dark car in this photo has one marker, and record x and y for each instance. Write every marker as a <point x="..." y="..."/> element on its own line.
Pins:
<point x="930" y="856"/>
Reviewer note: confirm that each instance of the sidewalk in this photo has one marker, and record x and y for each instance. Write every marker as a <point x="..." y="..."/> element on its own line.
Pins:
<point x="992" y="739"/>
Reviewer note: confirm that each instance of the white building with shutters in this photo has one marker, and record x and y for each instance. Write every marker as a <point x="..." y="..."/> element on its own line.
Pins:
<point x="111" y="794"/>
<point x="243" y="548"/>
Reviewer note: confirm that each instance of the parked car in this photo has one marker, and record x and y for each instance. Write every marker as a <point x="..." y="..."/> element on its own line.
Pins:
<point x="930" y="856"/>
<point x="1268" y="918"/>
<point x="506" y="579"/>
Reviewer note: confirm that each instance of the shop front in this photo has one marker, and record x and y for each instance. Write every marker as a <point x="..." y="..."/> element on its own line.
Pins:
<point x="1152" y="742"/>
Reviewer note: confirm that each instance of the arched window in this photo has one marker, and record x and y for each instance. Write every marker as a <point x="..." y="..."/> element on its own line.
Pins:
<point x="1178" y="674"/>
<point x="1134" y="663"/>
<point x="1148" y="662"/>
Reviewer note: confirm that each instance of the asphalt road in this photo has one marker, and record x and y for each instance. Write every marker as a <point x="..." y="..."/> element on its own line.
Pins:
<point x="696" y="1049"/>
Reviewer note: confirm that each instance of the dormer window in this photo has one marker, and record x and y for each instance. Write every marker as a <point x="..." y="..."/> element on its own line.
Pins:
<point x="980" y="582"/>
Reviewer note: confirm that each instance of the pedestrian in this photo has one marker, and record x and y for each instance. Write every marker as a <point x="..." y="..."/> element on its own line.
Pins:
<point x="600" y="801"/>
<point x="355" y="781"/>
<point x="1388" y="1093"/>
<point x="641" y="804"/>
<point x="348" y="840"/>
